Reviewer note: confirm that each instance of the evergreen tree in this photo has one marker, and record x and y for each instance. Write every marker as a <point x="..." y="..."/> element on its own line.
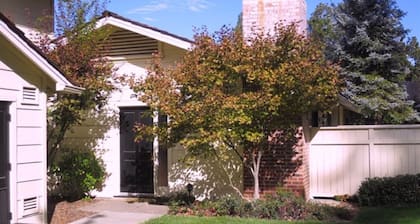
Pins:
<point x="414" y="55"/>
<point x="366" y="37"/>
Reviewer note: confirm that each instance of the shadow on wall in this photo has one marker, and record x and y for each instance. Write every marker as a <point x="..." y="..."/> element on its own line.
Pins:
<point x="92" y="133"/>
<point x="211" y="176"/>
<point x="279" y="162"/>
<point x="87" y="137"/>
<point x="333" y="156"/>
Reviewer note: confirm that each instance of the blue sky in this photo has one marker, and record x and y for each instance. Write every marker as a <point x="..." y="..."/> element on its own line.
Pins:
<point x="181" y="16"/>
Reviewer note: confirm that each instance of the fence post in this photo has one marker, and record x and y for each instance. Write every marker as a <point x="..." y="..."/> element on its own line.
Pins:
<point x="371" y="147"/>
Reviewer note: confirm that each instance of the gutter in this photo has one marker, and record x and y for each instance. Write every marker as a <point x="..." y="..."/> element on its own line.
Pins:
<point x="69" y="89"/>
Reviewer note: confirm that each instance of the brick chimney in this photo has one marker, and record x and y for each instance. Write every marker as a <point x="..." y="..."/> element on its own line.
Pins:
<point x="265" y="14"/>
<point x="284" y="168"/>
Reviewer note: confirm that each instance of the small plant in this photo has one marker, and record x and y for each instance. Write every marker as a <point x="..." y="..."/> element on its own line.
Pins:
<point x="78" y="173"/>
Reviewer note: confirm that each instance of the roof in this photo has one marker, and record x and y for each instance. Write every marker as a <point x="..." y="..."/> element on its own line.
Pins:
<point x="346" y="103"/>
<point x="110" y="18"/>
<point x="32" y="53"/>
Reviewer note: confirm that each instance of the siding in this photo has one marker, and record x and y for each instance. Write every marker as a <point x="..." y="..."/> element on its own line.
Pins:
<point x="27" y="145"/>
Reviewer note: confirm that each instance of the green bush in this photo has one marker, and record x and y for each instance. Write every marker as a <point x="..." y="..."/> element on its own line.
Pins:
<point x="398" y="190"/>
<point x="79" y="173"/>
<point x="179" y="198"/>
<point x="230" y="206"/>
<point x="328" y="213"/>
<point x="267" y="208"/>
<point x="282" y="205"/>
<point x="290" y="206"/>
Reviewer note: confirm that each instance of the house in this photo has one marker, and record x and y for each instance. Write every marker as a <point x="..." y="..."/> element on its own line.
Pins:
<point x="327" y="161"/>
<point x="144" y="168"/>
<point x="27" y="77"/>
<point x="147" y="168"/>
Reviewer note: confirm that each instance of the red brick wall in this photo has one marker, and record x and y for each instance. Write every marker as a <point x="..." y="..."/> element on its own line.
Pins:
<point x="285" y="164"/>
<point x="280" y="166"/>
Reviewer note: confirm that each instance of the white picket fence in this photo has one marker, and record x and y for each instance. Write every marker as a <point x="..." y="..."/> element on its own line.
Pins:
<point x="342" y="157"/>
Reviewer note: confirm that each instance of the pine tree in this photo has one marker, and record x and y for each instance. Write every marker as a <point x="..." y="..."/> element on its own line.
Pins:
<point x="414" y="55"/>
<point x="366" y="38"/>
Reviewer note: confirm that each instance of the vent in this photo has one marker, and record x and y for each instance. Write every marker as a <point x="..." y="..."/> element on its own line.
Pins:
<point x="30" y="95"/>
<point x="127" y="43"/>
<point x="30" y="206"/>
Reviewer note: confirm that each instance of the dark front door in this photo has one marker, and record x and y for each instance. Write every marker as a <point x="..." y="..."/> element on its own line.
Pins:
<point x="136" y="157"/>
<point x="4" y="163"/>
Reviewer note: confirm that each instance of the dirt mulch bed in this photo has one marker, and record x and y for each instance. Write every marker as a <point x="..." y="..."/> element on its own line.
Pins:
<point x="63" y="212"/>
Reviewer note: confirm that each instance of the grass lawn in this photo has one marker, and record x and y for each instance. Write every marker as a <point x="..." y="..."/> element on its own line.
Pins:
<point x="216" y="220"/>
<point x="366" y="216"/>
<point x="388" y="216"/>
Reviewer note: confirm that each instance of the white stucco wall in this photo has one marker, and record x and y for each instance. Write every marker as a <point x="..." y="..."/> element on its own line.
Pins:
<point x="205" y="174"/>
<point x="27" y="145"/>
<point x="211" y="177"/>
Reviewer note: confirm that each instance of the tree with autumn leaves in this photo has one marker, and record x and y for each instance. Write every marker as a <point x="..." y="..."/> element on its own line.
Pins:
<point x="231" y="94"/>
<point x="78" y="56"/>
<point x="74" y="171"/>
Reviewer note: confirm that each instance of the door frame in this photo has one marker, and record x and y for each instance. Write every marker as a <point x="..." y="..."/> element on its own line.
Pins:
<point x="5" y="106"/>
<point x="154" y="154"/>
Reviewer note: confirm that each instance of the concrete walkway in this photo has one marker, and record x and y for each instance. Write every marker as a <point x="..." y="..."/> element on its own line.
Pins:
<point x="121" y="211"/>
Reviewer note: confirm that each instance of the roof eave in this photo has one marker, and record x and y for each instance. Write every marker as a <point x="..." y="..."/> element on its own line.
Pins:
<point x="146" y="31"/>
<point x="69" y="89"/>
<point x="30" y="51"/>
<point x="348" y="105"/>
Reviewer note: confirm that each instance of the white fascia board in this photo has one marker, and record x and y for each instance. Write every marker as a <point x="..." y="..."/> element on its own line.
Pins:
<point x="62" y="84"/>
<point x="68" y="88"/>
<point x="145" y="31"/>
<point x="347" y="104"/>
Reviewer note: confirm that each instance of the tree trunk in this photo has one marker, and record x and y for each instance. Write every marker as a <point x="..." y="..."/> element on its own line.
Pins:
<point x="256" y="186"/>
<point x="255" y="170"/>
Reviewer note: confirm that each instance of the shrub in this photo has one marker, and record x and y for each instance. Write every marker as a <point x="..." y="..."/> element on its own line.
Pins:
<point x="293" y="207"/>
<point x="228" y="206"/>
<point x="267" y="208"/>
<point x="282" y="205"/>
<point x="180" y="198"/>
<point x="398" y="190"/>
<point x="328" y="213"/>
<point x="247" y="209"/>
<point x="78" y="173"/>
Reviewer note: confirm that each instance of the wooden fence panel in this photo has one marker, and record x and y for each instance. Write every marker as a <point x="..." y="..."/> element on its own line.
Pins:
<point x="342" y="157"/>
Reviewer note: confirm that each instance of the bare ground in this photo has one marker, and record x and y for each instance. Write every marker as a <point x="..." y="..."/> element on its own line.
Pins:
<point x="63" y="212"/>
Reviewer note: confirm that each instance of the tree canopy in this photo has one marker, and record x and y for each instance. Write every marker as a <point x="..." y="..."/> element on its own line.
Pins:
<point x="232" y="94"/>
<point x="78" y="54"/>
<point x="366" y="38"/>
